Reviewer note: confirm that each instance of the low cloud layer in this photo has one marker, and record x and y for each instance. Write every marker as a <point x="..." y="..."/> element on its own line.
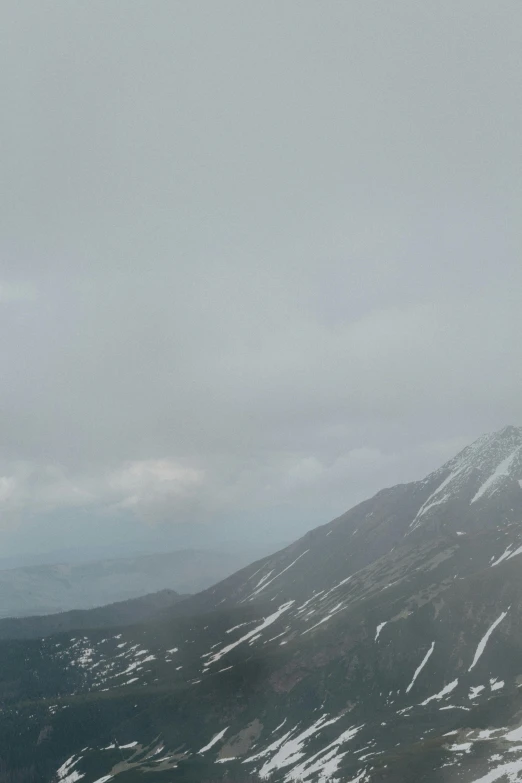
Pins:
<point x="257" y="262"/>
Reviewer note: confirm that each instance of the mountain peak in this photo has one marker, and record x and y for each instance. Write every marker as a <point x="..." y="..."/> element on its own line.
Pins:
<point x="484" y="471"/>
<point x="508" y="430"/>
<point x="488" y="449"/>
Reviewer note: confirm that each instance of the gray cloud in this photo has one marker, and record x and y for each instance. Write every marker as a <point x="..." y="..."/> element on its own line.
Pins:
<point x="276" y="246"/>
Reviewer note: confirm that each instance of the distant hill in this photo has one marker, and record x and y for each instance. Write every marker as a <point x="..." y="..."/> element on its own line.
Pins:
<point x="121" y="613"/>
<point x="49" y="589"/>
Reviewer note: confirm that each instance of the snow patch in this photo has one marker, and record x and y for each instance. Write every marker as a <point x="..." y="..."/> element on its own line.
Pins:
<point x="515" y="735"/>
<point x="379" y="629"/>
<point x="265" y="584"/>
<point x="254" y="632"/>
<point x="339" y="584"/>
<point x="500" y="472"/>
<point x="463" y="747"/>
<point x="444" y="692"/>
<point x="213" y="741"/>
<point x="483" y="641"/>
<point x="420" y="667"/>
<point x="337" y="608"/>
<point x="475" y="690"/>
<point x="502" y="557"/>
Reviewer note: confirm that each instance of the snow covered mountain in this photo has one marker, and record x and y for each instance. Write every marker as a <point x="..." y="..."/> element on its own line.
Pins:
<point x="383" y="646"/>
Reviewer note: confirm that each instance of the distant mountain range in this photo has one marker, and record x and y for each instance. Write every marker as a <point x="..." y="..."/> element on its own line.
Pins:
<point x="383" y="646"/>
<point x="135" y="610"/>
<point x="48" y="589"/>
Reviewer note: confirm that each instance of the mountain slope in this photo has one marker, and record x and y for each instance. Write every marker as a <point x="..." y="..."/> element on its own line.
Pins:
<point x="384" y="646"/>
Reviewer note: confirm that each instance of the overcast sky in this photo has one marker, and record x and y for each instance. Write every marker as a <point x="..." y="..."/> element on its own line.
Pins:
<point x="258" y="259"/>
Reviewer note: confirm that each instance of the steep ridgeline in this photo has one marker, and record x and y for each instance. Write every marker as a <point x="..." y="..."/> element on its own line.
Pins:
<point x="384" y="646"/>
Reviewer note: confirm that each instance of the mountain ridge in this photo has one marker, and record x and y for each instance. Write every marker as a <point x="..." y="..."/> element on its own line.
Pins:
<point x="364" y="651"/>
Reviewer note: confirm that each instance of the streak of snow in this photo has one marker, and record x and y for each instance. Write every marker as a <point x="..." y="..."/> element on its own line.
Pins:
<point x="292" y="749"/>
<point x="483" y="641"/>
<point x="266" y="622"/>
<point x="517" y="551"/>
<point x="265" y="584"/>
<point x="454" y="707"/>
<point x="500" y="471"/>
<point x="487" y="733"/>
<point x="73" y="777"/>
<point x="255" y="638"/>
<point x="463" y="746"/>
<point x="496" y="685"/>
<point x="303" y="606"/>
<point x="430" y="502"/>
<point x="426" y="508"/>
<point x="325" y="762"/>
<point x="502" y="557"/>
<point x="337" y="608"/>
<point x="156" y="751"/>
<point x="420" y="667"/>
<point x="339" y="584"/>
<point x="271" y="748"/>
<point x="379" y="629"/>
<point x="66" y="767"/>
<point x="214" y="739"/>
<point x="254" y="574"/>
<point x="515" y="735"/>
<point x="475" y="690"/>
<point x="447" y="689"/>
<point x="235" y="627"/>
<point x="130" y="668"/>
<point x="263" y="579"/>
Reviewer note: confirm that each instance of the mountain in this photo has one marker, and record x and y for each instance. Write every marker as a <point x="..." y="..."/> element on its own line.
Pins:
<point x="383" y="646"/>
<point x="130" y="612"/>
<point x="48" y="589"/>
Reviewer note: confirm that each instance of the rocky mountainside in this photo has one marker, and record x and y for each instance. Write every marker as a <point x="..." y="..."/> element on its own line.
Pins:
<point x="383" y="646"/>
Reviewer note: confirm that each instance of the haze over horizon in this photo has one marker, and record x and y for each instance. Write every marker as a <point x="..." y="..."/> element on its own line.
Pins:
<point x="257" y="261"/>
